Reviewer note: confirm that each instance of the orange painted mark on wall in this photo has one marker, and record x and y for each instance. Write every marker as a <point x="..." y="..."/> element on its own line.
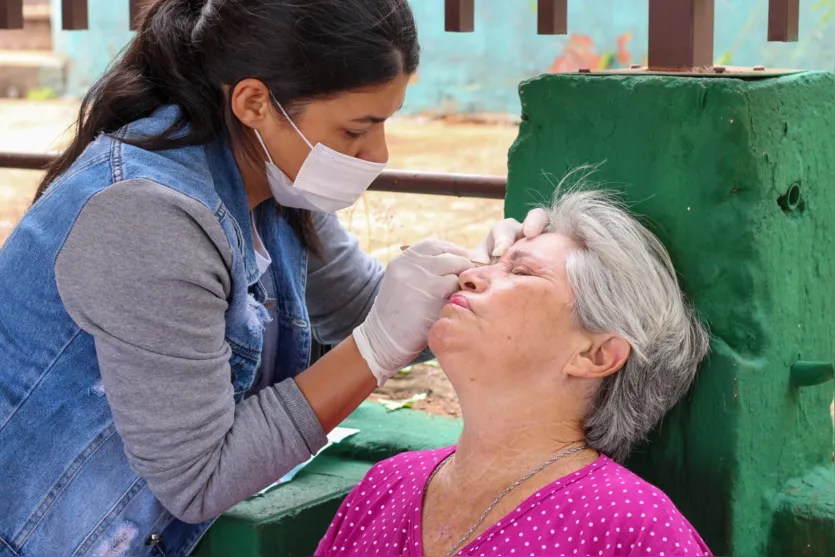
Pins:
<point x="579" y="51"/>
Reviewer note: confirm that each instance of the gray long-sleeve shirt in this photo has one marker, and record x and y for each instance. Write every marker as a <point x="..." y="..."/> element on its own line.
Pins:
<point x="145" y="270"/>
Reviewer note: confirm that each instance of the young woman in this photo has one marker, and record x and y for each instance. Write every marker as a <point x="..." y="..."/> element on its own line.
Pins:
<point x="159" y="298"/>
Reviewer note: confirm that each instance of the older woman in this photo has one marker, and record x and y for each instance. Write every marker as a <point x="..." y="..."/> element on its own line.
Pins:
<point x="563" y="354"/>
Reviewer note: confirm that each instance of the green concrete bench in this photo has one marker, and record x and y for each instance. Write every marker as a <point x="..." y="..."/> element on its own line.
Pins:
<point x="290" y="520"/>
<point x="804" y="516"/>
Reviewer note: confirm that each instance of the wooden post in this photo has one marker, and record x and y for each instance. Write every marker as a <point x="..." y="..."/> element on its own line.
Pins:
<point x="136" y="9"/>
<point x="680" y="34"/>
<point x="552" y="17"/>
<point x="783" y="20"/>
<point x="11" y="14"/>
<point x="459" y="16"/>
<point x="74" y="15"/>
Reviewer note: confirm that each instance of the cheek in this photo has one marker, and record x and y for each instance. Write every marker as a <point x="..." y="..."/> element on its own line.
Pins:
<point x="328" y="133"/>
<point x="525" y="319"/>
<point x="336" y="140"/>
<point x="512" y="310"/>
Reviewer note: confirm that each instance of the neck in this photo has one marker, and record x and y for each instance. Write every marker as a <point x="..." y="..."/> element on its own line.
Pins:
<point x="254" y="178"/>
<point x="510" y="434"/>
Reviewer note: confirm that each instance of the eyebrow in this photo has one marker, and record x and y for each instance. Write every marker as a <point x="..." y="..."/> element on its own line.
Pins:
<point x="371" y="119"/>
<point x="518" y="254"/>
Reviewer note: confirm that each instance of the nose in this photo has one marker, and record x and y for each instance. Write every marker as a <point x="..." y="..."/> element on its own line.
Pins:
<point x="475" y="279"/>
<point x="376" y="148"/>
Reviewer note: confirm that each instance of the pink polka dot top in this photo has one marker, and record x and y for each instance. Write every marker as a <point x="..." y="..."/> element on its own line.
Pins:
<point x="602" y="509"/>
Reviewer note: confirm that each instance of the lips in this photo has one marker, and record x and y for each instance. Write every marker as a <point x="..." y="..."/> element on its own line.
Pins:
<point x="460" y="301"/>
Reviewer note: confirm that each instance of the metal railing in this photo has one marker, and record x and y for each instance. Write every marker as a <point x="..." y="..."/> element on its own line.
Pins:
<point x="396" y="181"/>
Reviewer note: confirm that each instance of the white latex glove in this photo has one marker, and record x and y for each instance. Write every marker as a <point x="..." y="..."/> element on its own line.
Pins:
<point x="507" y="232"/>
<point x="415" y="288"/>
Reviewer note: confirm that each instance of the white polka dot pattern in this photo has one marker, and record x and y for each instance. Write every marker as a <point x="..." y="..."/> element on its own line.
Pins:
<point x="603" y="509"/>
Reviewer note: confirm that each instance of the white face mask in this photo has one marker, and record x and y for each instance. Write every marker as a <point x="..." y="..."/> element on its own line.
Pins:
<point x="327" y="181"/>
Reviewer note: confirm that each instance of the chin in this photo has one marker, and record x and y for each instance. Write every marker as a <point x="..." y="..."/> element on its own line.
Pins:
<point x="442" y="335"/>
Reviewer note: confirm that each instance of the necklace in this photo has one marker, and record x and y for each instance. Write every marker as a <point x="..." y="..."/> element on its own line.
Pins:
<point x="501" y="496"/>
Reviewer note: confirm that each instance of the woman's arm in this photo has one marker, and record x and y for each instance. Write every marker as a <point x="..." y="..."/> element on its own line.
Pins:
<point x="342" y="284"/>
<point x="337" y="384"/>
<point x="145" y="271"/>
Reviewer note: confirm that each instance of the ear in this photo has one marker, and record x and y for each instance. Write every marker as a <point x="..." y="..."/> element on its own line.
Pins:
<point x="251" y="103"/>
<point x="603" y="356"/>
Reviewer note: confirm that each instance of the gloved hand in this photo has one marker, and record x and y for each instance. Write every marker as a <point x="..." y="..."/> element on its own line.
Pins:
<point x="507" y="232"/>
<point x="415" y="288"/>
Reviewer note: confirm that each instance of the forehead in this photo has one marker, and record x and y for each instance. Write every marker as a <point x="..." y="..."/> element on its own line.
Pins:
<point x="378" y="100"/>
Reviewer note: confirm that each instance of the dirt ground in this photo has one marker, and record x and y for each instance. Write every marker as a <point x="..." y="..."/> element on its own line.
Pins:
<point x="427" y="379"/>
<point x="382" y="221"/>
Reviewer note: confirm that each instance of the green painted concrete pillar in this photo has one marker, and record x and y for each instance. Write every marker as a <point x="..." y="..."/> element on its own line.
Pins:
<point x="737" y="178"/>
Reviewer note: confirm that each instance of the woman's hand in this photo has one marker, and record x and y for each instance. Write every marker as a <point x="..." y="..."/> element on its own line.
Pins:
<point x="507" y="232"/>
<point x="415" y="288"/>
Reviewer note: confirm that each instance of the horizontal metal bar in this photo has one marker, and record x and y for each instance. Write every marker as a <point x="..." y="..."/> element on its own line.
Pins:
<point x="396" y="181"/>
<point x="26" y="161"/>
<point x="439" y="183"/>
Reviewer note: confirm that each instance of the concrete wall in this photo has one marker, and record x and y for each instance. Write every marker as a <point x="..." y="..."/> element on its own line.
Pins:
<point x="479" y="72"/>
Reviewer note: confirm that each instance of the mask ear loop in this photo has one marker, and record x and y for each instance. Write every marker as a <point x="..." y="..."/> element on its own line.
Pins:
<point x="263" y="145"/>
<point x="290" y="120"/>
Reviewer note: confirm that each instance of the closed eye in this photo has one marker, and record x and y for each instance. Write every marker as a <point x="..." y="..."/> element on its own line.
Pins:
<point x="355" y="135"/>
<point x="521" y="271"/>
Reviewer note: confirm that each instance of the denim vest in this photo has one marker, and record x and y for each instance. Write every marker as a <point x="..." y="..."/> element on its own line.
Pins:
<point x="65" y="484"/>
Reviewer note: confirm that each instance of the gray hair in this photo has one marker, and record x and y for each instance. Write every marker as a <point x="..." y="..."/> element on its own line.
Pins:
<point x="624" y="283"/>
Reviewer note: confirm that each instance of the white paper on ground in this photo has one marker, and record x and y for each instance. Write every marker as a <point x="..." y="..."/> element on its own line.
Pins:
<point x="337" y="435"/>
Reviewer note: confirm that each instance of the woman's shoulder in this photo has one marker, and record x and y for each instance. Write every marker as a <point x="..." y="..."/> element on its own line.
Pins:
<point x="614" y="490"/>
<point x="619" y="485"/>
<point x="408" y="470"/>
<point x="141" y="241"/>
<point x="411" y="464"/>
<point x="143" y="216"/>
<point x="634" y="510"/>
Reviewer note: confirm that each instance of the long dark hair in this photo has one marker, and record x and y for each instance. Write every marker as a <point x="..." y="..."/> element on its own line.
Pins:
<point x="186" y="50"/>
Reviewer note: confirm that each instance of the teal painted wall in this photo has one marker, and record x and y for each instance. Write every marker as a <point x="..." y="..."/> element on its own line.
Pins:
<point x="90" y="52"/>
<point x="479" y="72"/>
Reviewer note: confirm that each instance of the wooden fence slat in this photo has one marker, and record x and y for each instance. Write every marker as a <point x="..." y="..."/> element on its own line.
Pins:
<point x="74" y="15"/>
<point x="11" y="14"/>
<point x="680" y="34"/>
<point x="459" y="16"/>
<point x="552" y="17"/>
<point x="783" y="20"/>
<point x="136" y="9"/>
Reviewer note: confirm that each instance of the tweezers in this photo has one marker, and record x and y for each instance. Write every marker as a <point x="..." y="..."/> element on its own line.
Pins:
<point x="475" y="263"/>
